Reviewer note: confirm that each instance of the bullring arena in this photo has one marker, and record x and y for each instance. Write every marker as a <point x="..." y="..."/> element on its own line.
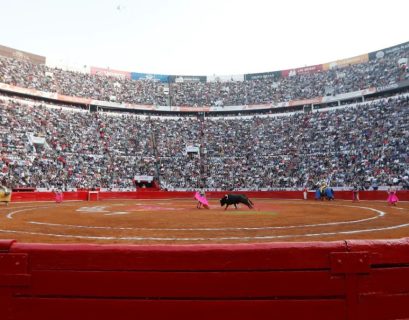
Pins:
<point x="156" y="255"/>
<point x="178" y="221"/>
<point x="128" y="151"/>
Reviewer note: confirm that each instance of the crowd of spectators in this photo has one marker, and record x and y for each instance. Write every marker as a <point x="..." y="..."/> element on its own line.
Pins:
<point x="383" y="71"/>
<point x="343" y="147"/>
<point x="364" y="144"/>
<point x="80" y="149"/>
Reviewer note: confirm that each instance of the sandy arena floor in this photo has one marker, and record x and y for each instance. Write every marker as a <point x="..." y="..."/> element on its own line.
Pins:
<point x="179" y="222"/>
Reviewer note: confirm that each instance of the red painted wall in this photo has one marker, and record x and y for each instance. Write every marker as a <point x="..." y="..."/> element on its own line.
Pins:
<point x="146" y="194"/>
<point x="318" y="281"/>
<point x="47" y="196"/>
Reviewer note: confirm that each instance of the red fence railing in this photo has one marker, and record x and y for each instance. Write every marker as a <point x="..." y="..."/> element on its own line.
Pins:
<point x="317" y="281"/>
<point x="146" y="194"/>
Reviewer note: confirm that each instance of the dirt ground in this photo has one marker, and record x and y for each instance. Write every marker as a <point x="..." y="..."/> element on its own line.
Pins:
<point x="180" y="222"/>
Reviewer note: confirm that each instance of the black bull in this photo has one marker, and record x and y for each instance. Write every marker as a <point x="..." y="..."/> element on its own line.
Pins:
<point x="229" y="199"/>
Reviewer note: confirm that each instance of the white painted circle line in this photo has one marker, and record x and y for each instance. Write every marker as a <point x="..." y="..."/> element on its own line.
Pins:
<point x="379" y="214"/>
<point x="139" y="238"/>
<point x="206" y="239"/>
<point x="24" y="209"/>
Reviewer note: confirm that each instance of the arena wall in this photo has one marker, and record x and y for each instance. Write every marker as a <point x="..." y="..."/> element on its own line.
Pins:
<point x="146" y="194"/>
<point x="321" y="280"/>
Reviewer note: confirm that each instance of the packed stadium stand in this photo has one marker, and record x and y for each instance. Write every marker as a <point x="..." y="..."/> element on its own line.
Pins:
<point x="358" y="136"/>
<point x="59" y="147"/>
<point x="303" y="83"/>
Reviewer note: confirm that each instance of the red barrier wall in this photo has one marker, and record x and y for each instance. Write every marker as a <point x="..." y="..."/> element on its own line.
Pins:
<point x="47" y="196"/>
<point x="83" y="195"/>
<point x="317" y="281"/>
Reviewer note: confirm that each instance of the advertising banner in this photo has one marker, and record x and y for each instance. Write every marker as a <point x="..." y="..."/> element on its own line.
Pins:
<point x="21" y="55"/>
<point x="263" y="75"/>
<point x="348" y="95"/>
<point x="293" y="103"/>
<point x="181" y="79"/>
<point x="393" y="86"/>
<point x="346" y="62"/>
<point x="73" y="99"/>
<point x="190" y="109"/>
<point x="111" y="73"/>
<point x="192" y="149"/>
<point x="257" y="107"/>
<point x="140" y="178"/>
<point x="303" y="70"/>
<point x="384" y="52"/>
<point x="225" y="78"/>
<point x="149" y="76"/>
<point x="27" y="91"/>
<point x="42" y="94"/>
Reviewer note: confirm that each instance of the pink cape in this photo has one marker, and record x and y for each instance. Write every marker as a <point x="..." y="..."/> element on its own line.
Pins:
<point x="392" y="198"/>
<point x="201" y="199"/>
<point x="58" y="197"/>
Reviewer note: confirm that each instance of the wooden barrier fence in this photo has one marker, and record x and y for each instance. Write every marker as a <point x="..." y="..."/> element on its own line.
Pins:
<point x="318" y="281"/>
<point x="146" y="194"/>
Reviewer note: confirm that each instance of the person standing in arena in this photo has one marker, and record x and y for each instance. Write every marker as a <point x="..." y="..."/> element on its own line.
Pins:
<point x="329" y="193"/>
<point x="355" y="193"/>
<point x="317" y="194"/>
<point x="58" y="196"/>
<point x="201" y="200"/>
<point x="392" y="197"/>
<point x="5" y="193"/>
<point x="305" y="193"/>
